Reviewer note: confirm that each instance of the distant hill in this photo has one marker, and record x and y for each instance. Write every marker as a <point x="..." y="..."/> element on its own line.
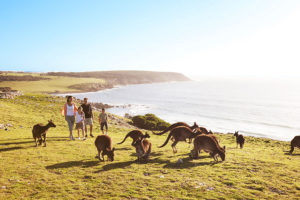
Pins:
<point x="62" y="82"/>
<point x="125" y="77"/>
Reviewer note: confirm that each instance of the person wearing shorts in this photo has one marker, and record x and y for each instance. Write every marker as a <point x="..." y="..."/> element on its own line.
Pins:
<point x="80" y="122"/>
<point x="103" y="121"/>
<point x="69" y="111"/>
<point x="88" y="112"/>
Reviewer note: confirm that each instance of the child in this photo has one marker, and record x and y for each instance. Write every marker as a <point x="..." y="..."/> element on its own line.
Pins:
<point x="103" y="120"/>
<point x="80" y="122"/>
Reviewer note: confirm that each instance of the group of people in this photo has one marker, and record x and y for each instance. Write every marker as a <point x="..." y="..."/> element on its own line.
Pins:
<point x="83" y="116"/>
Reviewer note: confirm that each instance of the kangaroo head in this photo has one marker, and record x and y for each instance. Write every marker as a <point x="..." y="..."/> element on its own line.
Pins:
<point x="51" y="124"/>
<point x="222" y="155"/>
<point x="195" y="125"/>
<point x="236" y="133"/>
<point x="147" y="135"/>
<point x="110" y="154"/>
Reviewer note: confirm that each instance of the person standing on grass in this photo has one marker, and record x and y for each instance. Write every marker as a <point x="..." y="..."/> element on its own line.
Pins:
<point x="69" y="111"/>
<point x="87" y="109"/>
<point x="103" y="121"/>
<point x="80" y="122"/>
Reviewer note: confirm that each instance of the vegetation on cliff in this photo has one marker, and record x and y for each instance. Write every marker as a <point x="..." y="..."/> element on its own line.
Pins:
<point x="149" y="122"/>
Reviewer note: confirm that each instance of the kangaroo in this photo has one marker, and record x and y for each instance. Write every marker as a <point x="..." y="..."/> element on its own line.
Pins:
<point x="208" y="144"/>
<point x="103" y="144"/>
<point x="180" y="133"/>
<point x="176" y="125"/>
<point x="39" y="132"/>
<point x="143" y="149"/>
<point x="240" y="140"/>
<point x="202" y="130"/>
<point x="135" y="135"/>
<point x="295" y="143"/>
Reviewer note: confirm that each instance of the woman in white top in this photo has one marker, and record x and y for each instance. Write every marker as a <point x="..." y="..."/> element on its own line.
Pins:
<point x="80" y="122"/>
<point x="69" y="111"/>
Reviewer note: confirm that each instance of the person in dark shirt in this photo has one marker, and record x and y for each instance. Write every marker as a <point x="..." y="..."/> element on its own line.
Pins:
<point x="87" y="109"/>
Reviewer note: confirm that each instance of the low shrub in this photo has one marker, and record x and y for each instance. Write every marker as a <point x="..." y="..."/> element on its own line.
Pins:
<point x="149" y="122"/>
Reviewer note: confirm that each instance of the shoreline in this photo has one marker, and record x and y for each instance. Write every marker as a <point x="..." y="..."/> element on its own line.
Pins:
<point x="121" y="110"/>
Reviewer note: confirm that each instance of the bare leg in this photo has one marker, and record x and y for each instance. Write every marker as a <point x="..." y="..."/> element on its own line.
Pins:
<point x="91" y="131"/>
<point x="85" y="128"/>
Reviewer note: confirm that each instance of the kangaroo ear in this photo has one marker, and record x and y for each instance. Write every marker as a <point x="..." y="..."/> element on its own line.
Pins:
<point x="113" y="149"/>
<point x="224" y="147"/>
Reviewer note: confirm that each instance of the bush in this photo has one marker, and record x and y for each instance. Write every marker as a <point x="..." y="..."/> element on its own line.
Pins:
<point x="149" y="122"/>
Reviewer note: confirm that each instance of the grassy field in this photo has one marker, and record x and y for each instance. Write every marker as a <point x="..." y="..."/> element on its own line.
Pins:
<point x="68" y="169"/>
<point x="48" y="86"/>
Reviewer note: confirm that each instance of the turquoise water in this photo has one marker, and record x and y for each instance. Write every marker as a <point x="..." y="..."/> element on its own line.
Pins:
<point x="256" y="108"/>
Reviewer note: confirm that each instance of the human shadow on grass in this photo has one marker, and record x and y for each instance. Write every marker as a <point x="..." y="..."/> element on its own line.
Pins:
<point x="80" y="163"/>
<point x="10" y="149"/>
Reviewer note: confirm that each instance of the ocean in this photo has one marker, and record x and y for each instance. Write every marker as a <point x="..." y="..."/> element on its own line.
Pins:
<point x="269" y="109"/>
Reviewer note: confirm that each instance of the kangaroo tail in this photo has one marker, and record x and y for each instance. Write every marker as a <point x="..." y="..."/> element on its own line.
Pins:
<point x="164" y="131"/>
<point x="125" y="138"/>
<point x="167" y="140"/>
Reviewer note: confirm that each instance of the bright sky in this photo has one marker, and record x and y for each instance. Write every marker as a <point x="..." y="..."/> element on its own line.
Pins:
<point x="198" y="38"/>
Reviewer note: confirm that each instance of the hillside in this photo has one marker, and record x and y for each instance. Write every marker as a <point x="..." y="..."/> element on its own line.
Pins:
<point x="69" y="170"/>
<point x="126" y="77"/>
<point x="62" y="82"/>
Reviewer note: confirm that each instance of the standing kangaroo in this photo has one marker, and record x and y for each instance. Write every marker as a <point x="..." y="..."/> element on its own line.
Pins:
<point x="208" y="144"/>
<point x="240" y="140"/>
<point x="39" y="132"/>
<point x="135" y="135"/>
<point x="180" y="133"/>
<point x="176" y="125"/>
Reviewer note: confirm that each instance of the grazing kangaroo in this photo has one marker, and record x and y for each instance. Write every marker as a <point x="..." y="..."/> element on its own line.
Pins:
<point x="143" y="149"/>
<point x="176" y="125"/>
<point x="180" y="133"/>
<point x="240" y="140"/>
<point x="39" y="132"/>
<point x="208" y="144"/>
<point x="135" y="135"/>
<point x="104" y="145"/>
<point x="295" y="143"/>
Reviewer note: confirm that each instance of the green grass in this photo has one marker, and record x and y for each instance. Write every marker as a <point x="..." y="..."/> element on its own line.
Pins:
<point x="48" y="86"/>
<point x="68" y="169"/>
